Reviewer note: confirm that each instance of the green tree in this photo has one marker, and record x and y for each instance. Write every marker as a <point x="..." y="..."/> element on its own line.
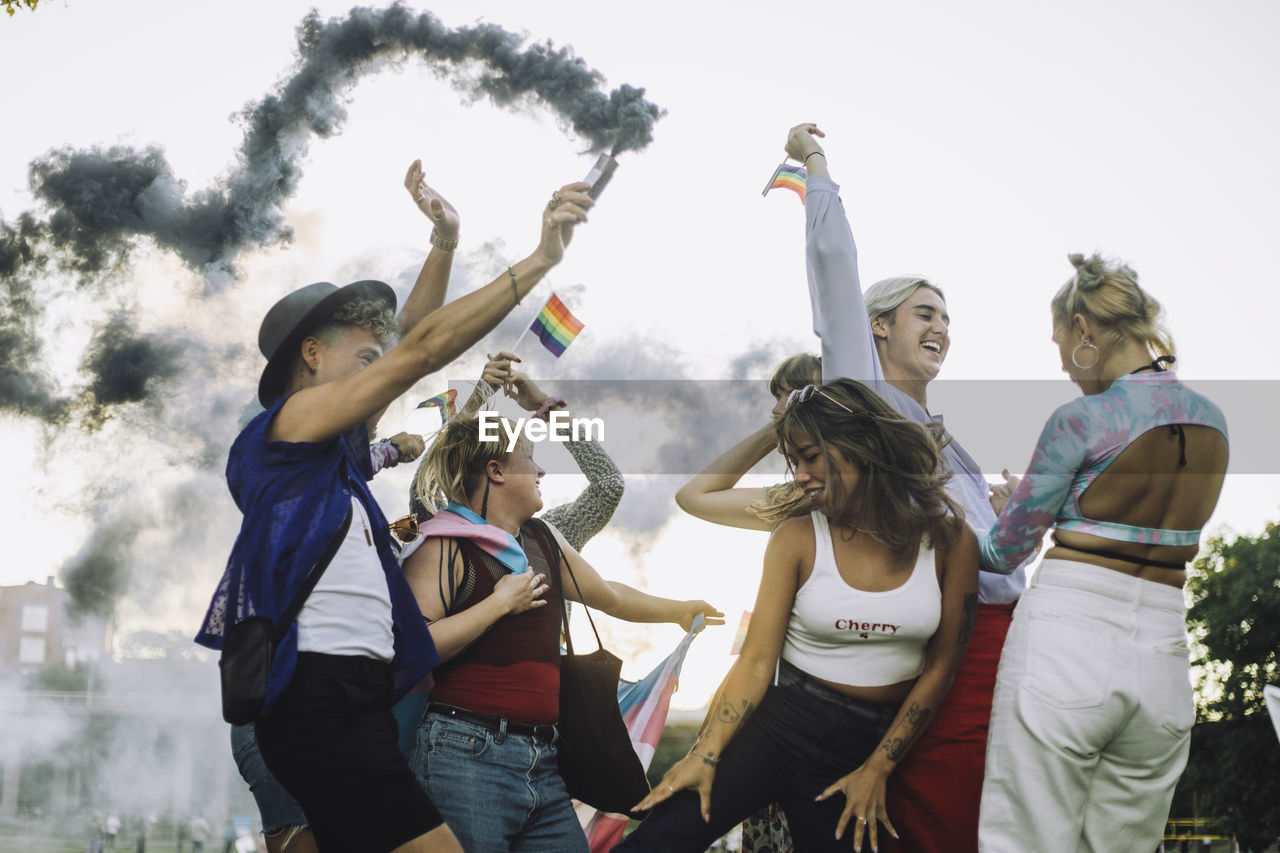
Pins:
<point x="10" y="5"/>
<point x="1234" y="619"/>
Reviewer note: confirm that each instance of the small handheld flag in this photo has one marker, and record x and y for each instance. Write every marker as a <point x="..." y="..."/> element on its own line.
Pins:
<point x="788" y="177"/>
<point x="555" y="326"/>
<point x="446" y="401"/>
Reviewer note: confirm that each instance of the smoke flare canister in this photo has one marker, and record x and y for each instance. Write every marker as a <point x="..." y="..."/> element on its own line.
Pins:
<point x="600" y="174"/>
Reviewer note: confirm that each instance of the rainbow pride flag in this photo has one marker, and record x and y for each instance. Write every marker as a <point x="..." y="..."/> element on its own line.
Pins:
<point x="788" y="177"/>
<point x="644" y="705"/>
<point x="555" y="326"/>
<point x="446" y="401"/>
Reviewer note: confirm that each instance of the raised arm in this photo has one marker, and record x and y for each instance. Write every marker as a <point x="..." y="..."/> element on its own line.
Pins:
<point x="434" y="586"/>
<point x="712" y="493"/>
<point x="433" y="279"/>
<point x="750" y="675"/>
<point x="590" y="511"/>
<point x="324" y="411"/>
<point x="831" y="261"/>
<point x="864" y="788"/>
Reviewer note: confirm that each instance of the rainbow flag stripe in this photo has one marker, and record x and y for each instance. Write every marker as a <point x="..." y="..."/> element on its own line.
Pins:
<point x="446" y="401"/>
<point x="788" y="177"/>
<point x="555" y="326"/>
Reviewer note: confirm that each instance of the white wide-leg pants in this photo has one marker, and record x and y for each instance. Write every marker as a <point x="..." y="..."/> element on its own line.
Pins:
<point x="1092" y="715"/>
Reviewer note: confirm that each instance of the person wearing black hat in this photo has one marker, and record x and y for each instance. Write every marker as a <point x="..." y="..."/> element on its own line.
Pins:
<point x="299" y="474"/>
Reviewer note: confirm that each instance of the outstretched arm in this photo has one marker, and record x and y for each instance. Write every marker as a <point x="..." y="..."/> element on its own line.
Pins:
<point x="864" y="788"/>
<point x="324" y="411"/>
<point x="712" y="493"/>
<point x="620" y="601"/>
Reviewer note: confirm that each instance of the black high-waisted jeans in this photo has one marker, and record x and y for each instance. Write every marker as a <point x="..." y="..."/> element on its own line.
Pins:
<point x="803" y="737"/>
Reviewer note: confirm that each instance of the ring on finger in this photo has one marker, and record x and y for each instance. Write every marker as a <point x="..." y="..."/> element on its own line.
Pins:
<point x="862" y="820"/>
<point x="556" y="199"/>
<point x="671" y="789"/>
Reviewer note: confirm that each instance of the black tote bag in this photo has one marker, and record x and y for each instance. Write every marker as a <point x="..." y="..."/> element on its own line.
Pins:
<point x="597" y="761"/>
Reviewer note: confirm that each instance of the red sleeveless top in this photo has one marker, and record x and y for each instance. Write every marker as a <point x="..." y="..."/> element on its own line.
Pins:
<point x="513" y="670"/>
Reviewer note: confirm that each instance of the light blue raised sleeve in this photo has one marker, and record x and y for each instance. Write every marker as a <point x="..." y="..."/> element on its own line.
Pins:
<point x="835" y="291"/>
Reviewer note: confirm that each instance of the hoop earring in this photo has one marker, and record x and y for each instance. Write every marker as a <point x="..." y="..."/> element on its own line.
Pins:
<point x="1084" y="342"/>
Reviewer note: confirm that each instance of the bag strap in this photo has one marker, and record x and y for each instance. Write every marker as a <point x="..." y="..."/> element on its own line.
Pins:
<point x="556" y="556"/>
<point x="295" y="607"/>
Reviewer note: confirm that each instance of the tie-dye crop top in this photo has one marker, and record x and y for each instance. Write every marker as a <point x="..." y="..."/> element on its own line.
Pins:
<point x="1079" y="442"/>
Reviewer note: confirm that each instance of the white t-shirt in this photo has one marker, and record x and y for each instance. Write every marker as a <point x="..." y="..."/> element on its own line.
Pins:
<point x="349" y="611"/>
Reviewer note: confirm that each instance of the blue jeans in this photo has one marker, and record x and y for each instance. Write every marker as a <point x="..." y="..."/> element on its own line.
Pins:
<point x="496" y="792"/>
<point x="803" y="737"/>
<point x="277" y="808"/>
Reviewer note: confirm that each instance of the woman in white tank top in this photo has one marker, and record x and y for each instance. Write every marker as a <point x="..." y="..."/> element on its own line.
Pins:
<point x="866" y="604"/>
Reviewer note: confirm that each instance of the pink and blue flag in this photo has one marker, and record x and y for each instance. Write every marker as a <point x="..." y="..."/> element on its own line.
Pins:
<point x="644" y="705"/>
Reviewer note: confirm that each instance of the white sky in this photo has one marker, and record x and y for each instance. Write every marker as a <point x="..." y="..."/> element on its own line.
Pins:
<point x="976" y="143"/>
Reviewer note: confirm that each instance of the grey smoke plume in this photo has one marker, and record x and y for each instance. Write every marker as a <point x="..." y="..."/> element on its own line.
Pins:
<point x="102" y="203"/>
<point x="99" y="574"/>
<point x="125" y="364"/>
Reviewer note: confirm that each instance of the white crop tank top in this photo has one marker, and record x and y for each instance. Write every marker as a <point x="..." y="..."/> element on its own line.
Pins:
<point x="865" y="639"/>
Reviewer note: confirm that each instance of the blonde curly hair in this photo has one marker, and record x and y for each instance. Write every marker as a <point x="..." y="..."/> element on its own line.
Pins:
<point x="361" y="313"/>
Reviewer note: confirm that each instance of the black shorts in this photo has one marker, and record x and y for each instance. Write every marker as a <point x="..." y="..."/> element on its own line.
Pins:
<point x="331" y="741"/>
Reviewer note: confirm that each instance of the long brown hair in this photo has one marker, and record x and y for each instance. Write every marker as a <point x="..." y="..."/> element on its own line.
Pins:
<point x="901" y="497"/>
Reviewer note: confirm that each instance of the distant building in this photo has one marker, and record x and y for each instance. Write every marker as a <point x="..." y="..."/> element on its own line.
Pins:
<point x="36" y="632"/>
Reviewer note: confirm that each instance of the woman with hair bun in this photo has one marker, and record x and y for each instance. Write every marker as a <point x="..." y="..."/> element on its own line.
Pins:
<point x="1093" y="707"/>
<point x="864" y="611"/>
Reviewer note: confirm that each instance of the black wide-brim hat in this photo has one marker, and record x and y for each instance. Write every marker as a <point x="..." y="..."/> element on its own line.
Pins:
<point x="295" y="316"/>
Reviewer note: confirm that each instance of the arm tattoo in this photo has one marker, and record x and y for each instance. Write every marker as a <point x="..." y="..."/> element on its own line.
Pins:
<point x="906" y="732"/>
<point x="729" y="714"/>
<point x="969" y="619"/>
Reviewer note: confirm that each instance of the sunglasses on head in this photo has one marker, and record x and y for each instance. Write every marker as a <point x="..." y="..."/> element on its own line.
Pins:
<point x="800" y="395"/>
<point x="405" y="529"/>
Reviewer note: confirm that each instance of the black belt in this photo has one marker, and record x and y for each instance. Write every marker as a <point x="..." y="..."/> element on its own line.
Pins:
<point x="1124" y="558"/>
<point x="545" y="731"/>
